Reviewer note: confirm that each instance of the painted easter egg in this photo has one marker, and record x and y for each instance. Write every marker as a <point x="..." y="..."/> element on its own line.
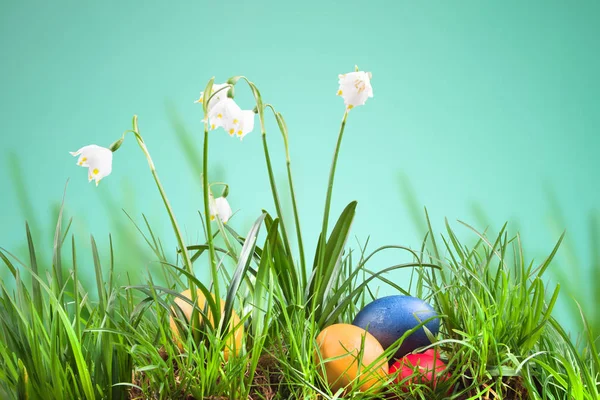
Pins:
<point x="234" y="341"/>
<point x="339" y="347"/>
<point x="422" y="368"/>
<point x="388" y="318"/>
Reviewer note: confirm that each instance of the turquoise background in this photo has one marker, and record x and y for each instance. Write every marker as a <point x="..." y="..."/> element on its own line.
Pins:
<point x="476" y="103"/>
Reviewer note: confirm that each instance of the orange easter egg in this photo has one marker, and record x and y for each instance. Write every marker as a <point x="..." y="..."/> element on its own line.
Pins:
<point x="340" y="346"/>
<point x="234" y="341"/>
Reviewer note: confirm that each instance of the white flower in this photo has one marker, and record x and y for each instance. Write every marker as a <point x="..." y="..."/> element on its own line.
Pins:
<point x="228" y="115"/>
<point x="355" y="88"/>
<point x="220" y="207"/>
<point x="98" y="161"/>
<point x="217" y="98"/>
<point x="246" y="123"/>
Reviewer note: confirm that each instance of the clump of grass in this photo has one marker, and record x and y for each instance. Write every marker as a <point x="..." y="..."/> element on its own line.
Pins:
<point x="121" y="346"/>
<point x="57" y="343"/>
<point x="577" y="272"/>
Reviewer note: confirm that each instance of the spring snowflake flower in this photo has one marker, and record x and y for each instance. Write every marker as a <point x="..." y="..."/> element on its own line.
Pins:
<point x="228" y="115"/>
<point x="98" y="161"/>
<point x="220" y="207"/>
<point x="246" y="124"/>
<point x="217" y="98"/>
<point x="355" y="88"/>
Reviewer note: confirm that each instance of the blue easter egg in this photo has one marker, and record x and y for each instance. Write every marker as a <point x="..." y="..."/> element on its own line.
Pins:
<point x="388" y="318"/>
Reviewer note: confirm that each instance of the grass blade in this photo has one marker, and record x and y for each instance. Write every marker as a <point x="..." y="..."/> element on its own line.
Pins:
<point x="244" y="262"/>
<point x="35" y="286"/>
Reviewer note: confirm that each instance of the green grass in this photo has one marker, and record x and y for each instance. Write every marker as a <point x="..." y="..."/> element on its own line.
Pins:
<point x="576" y="272"/>
<point x="62" y="340"/>
<point x="497" y="329"/>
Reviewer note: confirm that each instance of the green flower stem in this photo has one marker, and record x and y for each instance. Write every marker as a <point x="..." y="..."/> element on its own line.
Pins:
<point x="186" y="258"/>
<point x="283" y="129"/>
<point x="209" y="237"/>
<point x="329" y="191"/>
<point x="286" y="241"/>
<point x="261" y="117"/>
<point x="297" y="221"/>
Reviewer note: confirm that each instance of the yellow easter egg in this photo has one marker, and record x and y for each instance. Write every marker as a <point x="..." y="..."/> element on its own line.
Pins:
<point x="234" y="341"/>
<point x="340" y="346"/>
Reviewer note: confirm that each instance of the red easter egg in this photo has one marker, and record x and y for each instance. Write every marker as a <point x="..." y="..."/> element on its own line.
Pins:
<point x="424" y="368"/>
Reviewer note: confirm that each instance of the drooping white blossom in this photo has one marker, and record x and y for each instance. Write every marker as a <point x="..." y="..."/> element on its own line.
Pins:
<point x="228" y="115"/>
<point x="225" y="114"/>
<point x="220" y="207"/>
<point x="355" y="88"/>
<point x="97" y="159"/>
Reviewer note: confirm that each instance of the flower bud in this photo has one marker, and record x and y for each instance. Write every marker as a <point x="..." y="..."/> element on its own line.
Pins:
<point x="233" y="80"/>
<point x="115" y="146"/>
<point x="231" y="92"/>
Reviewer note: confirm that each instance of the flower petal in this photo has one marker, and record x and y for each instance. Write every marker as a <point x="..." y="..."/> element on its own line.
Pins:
<point x="226" y="114"/>
<point x="223" y="209"/>
<point x="219" y="207"/>
<point x="212" y="207"/>
<point x="355" y="88"/>
<point x="246" y="123"/>
<point x="97" y="159"/>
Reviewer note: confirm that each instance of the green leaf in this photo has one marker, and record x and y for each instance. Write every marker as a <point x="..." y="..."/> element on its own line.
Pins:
<point x="76" y="290"/>
<point x="324" y="275"/>
<point x="99" y="279"/>
<point x="83" y="373"/>
<point x="432" y="236"/>
<point x="243" y="263"/>
<point x="261" y="286"/>
<point x="284" y="269"/>
<point x="542" y="268"/>
<point x="8" y="263"/>
<point x="57" y="260"/>
<point x="23" y="382"/>
<point x="207" y="94"/>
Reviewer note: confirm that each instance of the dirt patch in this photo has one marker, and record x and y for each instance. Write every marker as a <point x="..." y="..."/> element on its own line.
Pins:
<point x="512" y="388"/>
<point x="267" y="378"/>
<point x="138" y="379"/>
<point x="265" y="383"/>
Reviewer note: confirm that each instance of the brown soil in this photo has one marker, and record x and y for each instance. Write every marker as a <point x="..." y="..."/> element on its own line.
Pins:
<point x="138" y="379"/>
<point x="268" y="377"/>
<point x="512" y="389"/>
<point x="265" y="384"/>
